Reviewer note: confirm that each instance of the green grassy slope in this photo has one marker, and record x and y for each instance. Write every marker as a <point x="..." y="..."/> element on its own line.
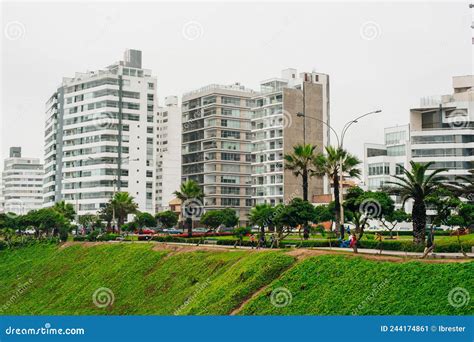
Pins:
<point x="340" y="285"/>
<point x="145" y="281"/>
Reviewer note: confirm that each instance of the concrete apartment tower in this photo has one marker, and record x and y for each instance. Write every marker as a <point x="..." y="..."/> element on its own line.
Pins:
<point x="100" y="137"/>
<point x="442" y="129"/>
<point x="22" y="183"/>
<point x="288" y="110"/>
<point x="168" y="171"/>
<point x="216" y="145"/>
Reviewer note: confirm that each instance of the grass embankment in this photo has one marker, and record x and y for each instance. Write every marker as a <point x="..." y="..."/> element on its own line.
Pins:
<point x="167" y="282"/>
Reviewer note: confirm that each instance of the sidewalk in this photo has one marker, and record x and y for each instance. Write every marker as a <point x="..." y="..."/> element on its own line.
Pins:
<point x="337" y="249"/>
<point x="400" y="253"/>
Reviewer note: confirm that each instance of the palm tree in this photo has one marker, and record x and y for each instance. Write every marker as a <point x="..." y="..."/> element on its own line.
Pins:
<point x="66" y="209"/>
<point x="123" y="204"/>
<point x="417" y="184"/>
<point x="329" y="164"/>
<point x="190" y="193"/>
<point x="464" y="186"/>
<point x="301" y="163"/>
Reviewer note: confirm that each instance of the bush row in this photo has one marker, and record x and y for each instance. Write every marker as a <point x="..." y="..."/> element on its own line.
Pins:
<point x="96" y="237"/>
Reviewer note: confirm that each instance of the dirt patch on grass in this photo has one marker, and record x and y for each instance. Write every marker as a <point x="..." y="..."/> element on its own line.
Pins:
<point x="82" y="243"/>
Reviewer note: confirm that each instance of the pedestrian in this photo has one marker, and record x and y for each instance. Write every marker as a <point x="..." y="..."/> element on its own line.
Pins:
<point x="252" y="240"/>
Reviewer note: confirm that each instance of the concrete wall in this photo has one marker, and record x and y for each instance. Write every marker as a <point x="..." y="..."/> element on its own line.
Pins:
<point x="293" y="134"/>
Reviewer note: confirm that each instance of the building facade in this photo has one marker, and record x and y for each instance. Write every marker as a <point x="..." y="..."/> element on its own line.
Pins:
<point x="289" y="110"/>
<point x="22" y="183"/>
<point x="442" y="129"/>
<point x="216" y="145"/>
<point x="168" y="168"/>
<point x="382" y="161"/>
<point x="100" y="130"/>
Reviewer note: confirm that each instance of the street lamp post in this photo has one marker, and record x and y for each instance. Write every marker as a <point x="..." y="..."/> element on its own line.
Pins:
<point x="340" y="144"/>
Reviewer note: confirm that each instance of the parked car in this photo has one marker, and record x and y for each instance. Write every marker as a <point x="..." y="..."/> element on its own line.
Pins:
<point x="172" y="231"/>
<point x="146" y="231"/>
<point x="200" y="230"/>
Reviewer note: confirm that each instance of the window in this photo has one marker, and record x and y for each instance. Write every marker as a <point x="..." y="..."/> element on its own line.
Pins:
<point x="149" y="173"/>
<point x="230" y="100"/>
<point x="233" y="202"/>
<point x="230" y="179"/>
<point x="230" y="134"/>
<point x="151" y="86"/>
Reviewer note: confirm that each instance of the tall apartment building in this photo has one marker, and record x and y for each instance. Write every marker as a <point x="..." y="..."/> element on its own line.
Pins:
<point x="277" y="126"/>
<point x="442" y="129"/>
<point x="168" y="134"/>
<point x="100" y="137"/>
<point x="216" y="145"/>
<point x="22" y="183"/>
<point x="382" y="161"/>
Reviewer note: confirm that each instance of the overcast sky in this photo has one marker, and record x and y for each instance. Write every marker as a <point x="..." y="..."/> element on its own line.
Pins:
<point x="378" y="55"/>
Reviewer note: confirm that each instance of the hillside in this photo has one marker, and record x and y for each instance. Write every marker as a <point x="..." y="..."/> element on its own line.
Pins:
<point x="147" y="278"/>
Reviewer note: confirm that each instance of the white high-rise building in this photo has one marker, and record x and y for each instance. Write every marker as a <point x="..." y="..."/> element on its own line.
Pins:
<point x="382" y="161"/>
<point x="168" y="168"/>
<point x="100" y="137"/>
<point x="22" y="183"/>
<point x="442" y="130"/>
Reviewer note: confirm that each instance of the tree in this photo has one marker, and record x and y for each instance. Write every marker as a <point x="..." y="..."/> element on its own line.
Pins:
<point x="362" y="206"/>
<point x="329" y="164"/>
<point x="296" y="214"/>
<point x="417" y="184"/>
<point x="66" y="209"/>
<point x="87" y="220"/>
<point x="323" y="213"/>
<point x="466" y="212"/>
<point x="396" y="217"/>
<point x="50" y="221"/>
<point x="122" y="204"/>
<point x="262" y="215"/>
<point x="191" y="195"/>
<point x="144" y="220"/>
<point x="167" y="218"/>
<point x="214" y="218"/>
<point x="302" y="164"/>
<point x="464" y="186"/>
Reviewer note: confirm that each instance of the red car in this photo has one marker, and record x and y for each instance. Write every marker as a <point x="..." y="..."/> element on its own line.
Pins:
<point x="146" y="231"/>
